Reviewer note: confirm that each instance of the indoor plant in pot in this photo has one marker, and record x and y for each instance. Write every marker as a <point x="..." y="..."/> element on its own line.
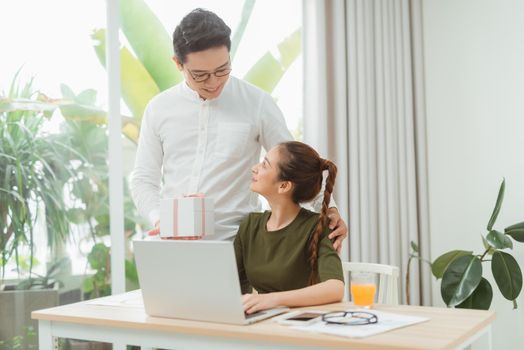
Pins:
<point x="29" y="170"/>
<point x="461" y="271"/>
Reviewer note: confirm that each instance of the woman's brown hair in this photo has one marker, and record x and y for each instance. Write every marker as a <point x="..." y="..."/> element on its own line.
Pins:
<point x="302" y="165"/>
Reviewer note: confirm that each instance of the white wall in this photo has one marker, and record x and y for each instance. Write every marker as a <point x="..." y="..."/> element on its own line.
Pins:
<point x="474" y="57"/>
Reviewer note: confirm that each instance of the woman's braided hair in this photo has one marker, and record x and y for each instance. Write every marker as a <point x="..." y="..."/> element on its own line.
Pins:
<point x="302" y="165"/>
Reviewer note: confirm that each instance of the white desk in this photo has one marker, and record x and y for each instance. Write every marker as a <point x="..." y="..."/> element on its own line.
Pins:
<point x="121" y="323"/>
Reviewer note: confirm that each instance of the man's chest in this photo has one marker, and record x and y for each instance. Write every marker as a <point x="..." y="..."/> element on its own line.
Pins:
<point x="222" y="133"/>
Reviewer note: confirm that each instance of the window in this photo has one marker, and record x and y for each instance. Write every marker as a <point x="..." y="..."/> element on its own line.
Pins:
<point x="57" y="48"/>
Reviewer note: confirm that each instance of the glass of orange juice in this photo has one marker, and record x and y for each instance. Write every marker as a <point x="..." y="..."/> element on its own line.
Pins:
<point x="363" y="288"/>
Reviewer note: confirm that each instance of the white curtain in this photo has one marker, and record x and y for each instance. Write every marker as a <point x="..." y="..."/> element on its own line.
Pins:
<point x="364" y="108"/>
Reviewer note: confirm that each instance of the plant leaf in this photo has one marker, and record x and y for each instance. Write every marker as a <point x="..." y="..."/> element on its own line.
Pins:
<point x="150" y="41"/>
<point x="441" y="263"/>
<point x="131" y="272"/>
<point x="460" y="279"/>
<point x="268" y="70"/>
<point x="414" y="246"/>
<point x="499" y="240"/>
<point x="99" y="256"/>
<point x="247" y="9"/>
<point x="498" y="204"/>
<point x="519" y="226"/>
<point x="73" y="107"/>
<point x="481" y="297"/>
<point x="24" y="104"/>
<point x="88" y="285"/>
<point x="516" y="231"/>
<point x="517" y="234"/>
<point x="487" y="246"/>
<point x="507" y="274"/>
<point x="87" y="97"/>
<point x="132" y="131"/>
<point x="76" y="215"/>
<point x="138" y="87"/>
<point x="83" y="113"/>
<point x="67" y="92"/>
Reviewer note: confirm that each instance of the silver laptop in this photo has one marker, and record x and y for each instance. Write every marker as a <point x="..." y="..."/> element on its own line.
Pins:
<point x="193" y="280"/>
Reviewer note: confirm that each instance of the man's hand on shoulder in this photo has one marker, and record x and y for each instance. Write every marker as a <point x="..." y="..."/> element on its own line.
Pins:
<point x="340" y="230"/>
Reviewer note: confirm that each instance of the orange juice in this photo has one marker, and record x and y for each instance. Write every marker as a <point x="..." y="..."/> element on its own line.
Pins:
<point x="363" y="294"/>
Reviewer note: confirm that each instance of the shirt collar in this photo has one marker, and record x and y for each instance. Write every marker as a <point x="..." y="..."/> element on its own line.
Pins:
<point x="192" y="94"/>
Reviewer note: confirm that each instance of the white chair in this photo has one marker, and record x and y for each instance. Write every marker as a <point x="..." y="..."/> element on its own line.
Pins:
<point x="388" y="282"/>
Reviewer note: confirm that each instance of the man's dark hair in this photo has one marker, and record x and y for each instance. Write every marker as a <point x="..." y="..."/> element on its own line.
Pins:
<point x="198" y="31"/>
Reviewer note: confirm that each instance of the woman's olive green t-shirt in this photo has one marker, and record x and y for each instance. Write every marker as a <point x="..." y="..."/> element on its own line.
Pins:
<point x="277" y="261"/>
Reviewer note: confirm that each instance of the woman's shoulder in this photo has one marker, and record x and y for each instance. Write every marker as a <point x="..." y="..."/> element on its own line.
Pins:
<point x="308" y="213"/>
<point x="310" y="218"/>
<point x="255" y="216"/>
<point x="252" y="220"/>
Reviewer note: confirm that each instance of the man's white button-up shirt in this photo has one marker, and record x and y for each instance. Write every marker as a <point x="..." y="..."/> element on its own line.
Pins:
<point x="190" y="145"/>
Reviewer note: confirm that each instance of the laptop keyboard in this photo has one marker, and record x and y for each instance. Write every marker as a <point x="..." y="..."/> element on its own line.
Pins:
<point x="248" y="316"/>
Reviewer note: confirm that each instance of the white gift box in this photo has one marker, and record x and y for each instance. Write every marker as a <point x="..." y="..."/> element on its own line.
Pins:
<point x="187" y="217"/>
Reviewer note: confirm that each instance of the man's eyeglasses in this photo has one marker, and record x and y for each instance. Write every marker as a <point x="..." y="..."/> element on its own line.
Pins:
<point x="201" y="77"/>
<point x="350" y="318"/>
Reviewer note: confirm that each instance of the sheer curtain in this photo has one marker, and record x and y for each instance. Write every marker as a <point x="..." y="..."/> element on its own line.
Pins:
<point x="364" y="108"/>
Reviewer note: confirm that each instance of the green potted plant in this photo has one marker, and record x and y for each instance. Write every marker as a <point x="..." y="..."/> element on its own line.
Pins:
<point x="27" y="340"/>
<point x="461" y="271"/>
<point x="29" y="172"/>
<point x="37" y="169"/>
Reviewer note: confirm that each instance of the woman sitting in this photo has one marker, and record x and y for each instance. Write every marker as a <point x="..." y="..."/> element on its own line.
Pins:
<point x="285" y="253"/>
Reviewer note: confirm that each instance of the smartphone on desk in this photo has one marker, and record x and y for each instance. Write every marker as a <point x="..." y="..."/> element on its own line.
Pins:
<point x="300" y="318"/>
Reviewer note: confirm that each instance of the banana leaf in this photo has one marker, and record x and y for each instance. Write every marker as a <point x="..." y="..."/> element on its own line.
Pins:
<point x="138" y="87"/>
<point x="247" y="10"/>
<point x="150" y="42"/>
<point x="71" y="111"/>
<point x="268" y="70"/>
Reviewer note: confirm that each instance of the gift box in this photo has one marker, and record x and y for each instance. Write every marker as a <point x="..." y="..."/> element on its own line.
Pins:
<point x="189" y="217"/>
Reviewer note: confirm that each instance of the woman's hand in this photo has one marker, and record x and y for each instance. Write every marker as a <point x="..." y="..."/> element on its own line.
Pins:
<point x="258" y="302"/>
<point x="340" y="230"/>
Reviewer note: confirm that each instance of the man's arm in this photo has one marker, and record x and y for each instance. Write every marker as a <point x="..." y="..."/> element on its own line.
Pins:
<point x="336" y="223"/>
<point x="147" y="173"/>
<point x="273" y="128"/>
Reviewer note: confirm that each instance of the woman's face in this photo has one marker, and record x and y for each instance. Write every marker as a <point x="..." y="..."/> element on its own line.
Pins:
<point x="264" y="179"/>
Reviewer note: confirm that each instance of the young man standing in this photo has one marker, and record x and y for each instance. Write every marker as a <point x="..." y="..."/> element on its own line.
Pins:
<point x="205" y="134"/>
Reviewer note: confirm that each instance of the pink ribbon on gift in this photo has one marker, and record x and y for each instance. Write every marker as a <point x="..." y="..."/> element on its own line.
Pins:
<point x="198" y="195"/>
<point x="175" y="212"/>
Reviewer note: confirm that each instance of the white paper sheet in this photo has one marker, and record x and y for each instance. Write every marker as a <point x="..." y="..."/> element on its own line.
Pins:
<point x="131" y="299"/>
<point x="386" y="322"/>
